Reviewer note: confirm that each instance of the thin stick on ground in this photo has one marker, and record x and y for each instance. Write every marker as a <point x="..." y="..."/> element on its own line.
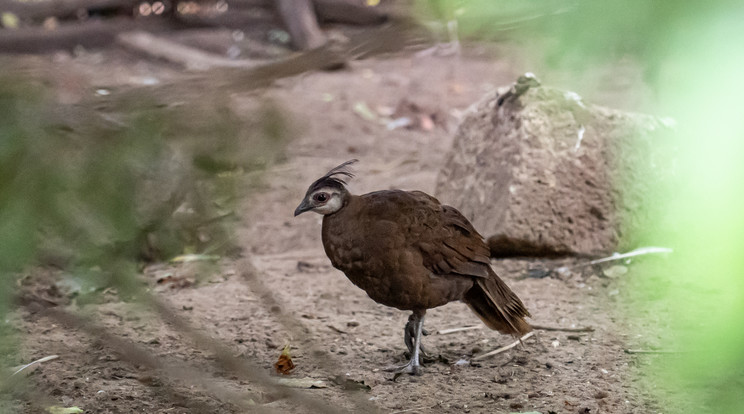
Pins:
<point x="423" y="409"/>
<point x="557" y="328"/>
<point x="650" y="351"/>
<point x="617" y="256"/>
<point x="504" y="348"/>
<point x="460" y="329"/>
<point x="34" y="363"/>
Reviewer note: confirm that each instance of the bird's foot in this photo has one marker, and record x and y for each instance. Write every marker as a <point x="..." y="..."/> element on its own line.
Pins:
<point x="424" y="356"/>
<point x="412" y="336"/>
<point x="411" y="368"/>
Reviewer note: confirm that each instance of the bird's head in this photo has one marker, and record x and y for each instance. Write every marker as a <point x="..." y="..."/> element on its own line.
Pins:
<point x="328" y="193"/>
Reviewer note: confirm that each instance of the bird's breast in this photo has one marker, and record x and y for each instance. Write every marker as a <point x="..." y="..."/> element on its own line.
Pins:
<point x="377" y="259"/>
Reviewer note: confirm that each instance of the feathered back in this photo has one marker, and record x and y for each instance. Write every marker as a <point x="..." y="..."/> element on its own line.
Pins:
<point x="335" y="178"/>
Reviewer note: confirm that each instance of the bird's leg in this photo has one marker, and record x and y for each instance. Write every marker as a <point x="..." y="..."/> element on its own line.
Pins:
<point x="409" y="332"/>
<point x="413" y="367"/>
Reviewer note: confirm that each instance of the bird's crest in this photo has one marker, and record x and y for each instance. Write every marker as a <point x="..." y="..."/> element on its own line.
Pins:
<point x="336" y="177"/>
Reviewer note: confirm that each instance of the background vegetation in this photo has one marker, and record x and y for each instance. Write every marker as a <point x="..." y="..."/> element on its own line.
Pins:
<point x="691" y="57"/>
<point x="97" y="190"/>
<point x="100" y="188"/>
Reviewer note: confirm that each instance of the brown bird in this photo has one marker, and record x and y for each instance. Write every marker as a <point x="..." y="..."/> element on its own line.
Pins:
<point x="408" y="251"/>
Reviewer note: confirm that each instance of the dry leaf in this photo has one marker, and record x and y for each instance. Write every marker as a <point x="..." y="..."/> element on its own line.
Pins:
<point x="284" y="365"/>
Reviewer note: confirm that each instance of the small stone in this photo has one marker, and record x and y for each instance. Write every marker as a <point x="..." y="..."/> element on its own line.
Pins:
<point x="601" y="394"/>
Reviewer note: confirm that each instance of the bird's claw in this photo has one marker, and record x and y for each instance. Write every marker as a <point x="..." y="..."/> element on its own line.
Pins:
<point x="409" y="368"/>
<point x="423" y="355"/>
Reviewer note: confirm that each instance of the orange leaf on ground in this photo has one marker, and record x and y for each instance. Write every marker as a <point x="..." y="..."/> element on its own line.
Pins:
<point x="284" y="365"/>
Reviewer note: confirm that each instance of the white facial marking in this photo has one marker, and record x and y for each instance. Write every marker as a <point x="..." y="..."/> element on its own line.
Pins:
<point x="332" y="203"/>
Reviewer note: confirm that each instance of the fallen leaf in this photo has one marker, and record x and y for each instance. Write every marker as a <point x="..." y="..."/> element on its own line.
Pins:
<point x="284" y="365"/>
<point x="302" y="383"/>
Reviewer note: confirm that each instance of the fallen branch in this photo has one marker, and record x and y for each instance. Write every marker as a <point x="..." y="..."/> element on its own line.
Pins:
<point x="38" y="10"/>
<point x="189" y="57"/>
<point x="302" y="24"/>
<point x="557" y="328"/>
<point x="89" y="34"/>
<point x="504" y="348"/>
<point x="349" y="11"/>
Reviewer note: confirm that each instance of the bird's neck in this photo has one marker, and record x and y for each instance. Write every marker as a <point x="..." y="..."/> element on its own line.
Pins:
<point x="346" y="199"/>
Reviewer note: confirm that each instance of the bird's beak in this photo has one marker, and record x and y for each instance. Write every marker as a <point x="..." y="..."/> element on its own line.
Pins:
<point x="303" y="207"/>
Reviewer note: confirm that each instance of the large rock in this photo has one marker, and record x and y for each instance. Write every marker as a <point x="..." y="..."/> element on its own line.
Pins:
<point x="540" y="172"/>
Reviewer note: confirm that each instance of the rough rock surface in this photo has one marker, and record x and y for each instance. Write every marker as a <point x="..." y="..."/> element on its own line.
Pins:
<point x="540" y="172"/>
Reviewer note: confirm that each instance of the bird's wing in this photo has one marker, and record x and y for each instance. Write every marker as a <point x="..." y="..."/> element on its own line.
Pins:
<point x="447" y="241"/>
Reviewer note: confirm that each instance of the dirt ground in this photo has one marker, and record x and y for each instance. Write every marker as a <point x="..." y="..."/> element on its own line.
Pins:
<point x="284" y="291"/>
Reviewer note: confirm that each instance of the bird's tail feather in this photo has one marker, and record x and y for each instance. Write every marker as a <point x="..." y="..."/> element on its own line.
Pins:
<point x="497" y="306"/>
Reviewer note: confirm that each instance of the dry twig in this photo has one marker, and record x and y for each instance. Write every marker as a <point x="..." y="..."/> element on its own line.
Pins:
<point x="557" y="328"/>
<point x="422" y="409"/>
<point x="460" y="329"/>
<point x="617" y="256"/>
<point x="34" y="364"/>
<point x="504" y="348"/>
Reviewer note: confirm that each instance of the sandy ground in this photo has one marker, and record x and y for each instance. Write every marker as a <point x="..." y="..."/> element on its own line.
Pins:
<point x="284" y="291"/>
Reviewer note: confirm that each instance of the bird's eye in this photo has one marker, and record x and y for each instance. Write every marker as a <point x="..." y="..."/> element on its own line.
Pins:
<point x="321" y="197"/>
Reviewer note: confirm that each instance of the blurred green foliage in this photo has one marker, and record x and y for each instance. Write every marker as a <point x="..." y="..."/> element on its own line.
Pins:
<point x="691" y="56"/>
<point x="98" y="187"/>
